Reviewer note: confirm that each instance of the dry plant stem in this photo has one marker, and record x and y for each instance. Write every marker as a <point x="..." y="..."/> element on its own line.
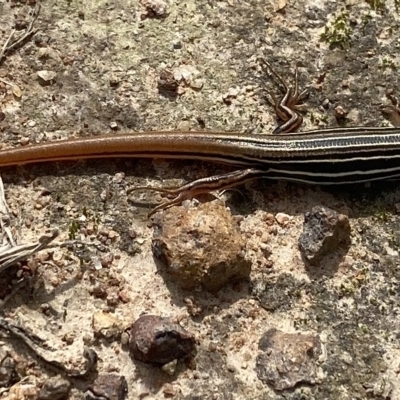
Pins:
<point x="7" y="47"/>
<point x="5" y="217"/>
<point x="38" y="346"/>
<point x="10" y="255"/>
<point x="4" y="48"/>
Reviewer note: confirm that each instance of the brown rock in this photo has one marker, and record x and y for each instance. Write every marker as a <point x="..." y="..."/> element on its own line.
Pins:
<point x="283" y="219"/>
<point x="8" y="372"/>
<point x="154" y="8"/>
<point x="106" y="325"/>
<point x="170" y="390"/>
<point x="200" y="246"/>
<point x="167" y="84"/>
<point x="54" y="388"/>
<point x="108" y="387"/>
<point x="324" y="230"/>
<point x="154" y="339"/>
<point x="286" y="359"/>
<point x="22" y="391"/>
<point x="46" y="77"/>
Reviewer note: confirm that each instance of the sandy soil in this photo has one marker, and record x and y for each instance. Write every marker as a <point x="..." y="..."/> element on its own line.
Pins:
<point x="106" y="60"/>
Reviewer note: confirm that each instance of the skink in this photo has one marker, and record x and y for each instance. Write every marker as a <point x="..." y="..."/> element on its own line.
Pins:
<point x="325" y="157"/>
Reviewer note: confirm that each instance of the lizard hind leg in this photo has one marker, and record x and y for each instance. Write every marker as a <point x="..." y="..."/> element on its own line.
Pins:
<point x="200" y="186"/>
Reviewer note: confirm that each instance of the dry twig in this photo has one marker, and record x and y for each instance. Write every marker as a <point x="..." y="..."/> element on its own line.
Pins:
<point x="11" y="43"/>
<point x="45" y="353"/>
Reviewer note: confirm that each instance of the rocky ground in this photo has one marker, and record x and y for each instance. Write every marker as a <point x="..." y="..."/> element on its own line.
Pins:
<point x="288" y="328"/>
